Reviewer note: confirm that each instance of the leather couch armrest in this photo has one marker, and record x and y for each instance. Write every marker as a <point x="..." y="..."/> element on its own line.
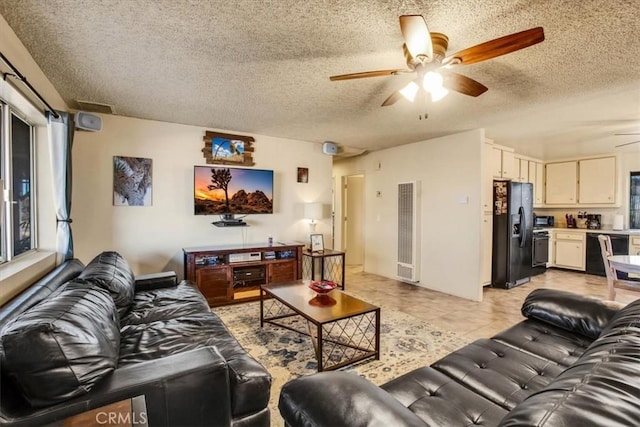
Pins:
<point x="185" y="389"/>
<point x="147" y="282"/>
<point x="576" y="313"/>
<point x="340" y="399"/>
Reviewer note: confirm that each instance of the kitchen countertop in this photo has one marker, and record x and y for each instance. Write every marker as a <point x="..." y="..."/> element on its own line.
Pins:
<point x="591" y="230"/>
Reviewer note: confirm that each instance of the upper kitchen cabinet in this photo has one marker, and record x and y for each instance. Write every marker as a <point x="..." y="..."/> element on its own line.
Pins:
<point x="503" y="162"/>
<point x="521" y="167"/>
<point x="583" y="182"/>
<point x="531" y="170"/>
<point x="536" y="176"/>
<point x="562" y="183"/>
<point x="597" y="181"/>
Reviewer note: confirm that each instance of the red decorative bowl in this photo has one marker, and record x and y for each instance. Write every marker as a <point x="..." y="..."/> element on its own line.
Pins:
<point x="322" y="300"/>
<point x="323" y="287"/>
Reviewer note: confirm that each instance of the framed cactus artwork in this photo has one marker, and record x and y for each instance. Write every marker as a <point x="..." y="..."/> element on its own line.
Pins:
<point x="132" y="182"/>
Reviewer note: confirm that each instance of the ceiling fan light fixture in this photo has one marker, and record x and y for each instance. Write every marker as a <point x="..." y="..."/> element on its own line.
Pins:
<point x="432" y="81"/>
<point x="438" y="94"/>
<point x="410" y="91"/>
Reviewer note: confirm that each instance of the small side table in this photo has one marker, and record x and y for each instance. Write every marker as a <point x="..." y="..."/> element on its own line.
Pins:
<point x="331" y="266"/>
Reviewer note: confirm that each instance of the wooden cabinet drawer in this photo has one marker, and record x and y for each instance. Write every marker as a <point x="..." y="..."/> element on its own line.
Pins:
<point x="570" y="236"/>
<point x="634" y="241"/>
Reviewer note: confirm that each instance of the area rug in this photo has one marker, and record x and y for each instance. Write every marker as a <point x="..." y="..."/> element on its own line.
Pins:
<point x="406" y="343"/>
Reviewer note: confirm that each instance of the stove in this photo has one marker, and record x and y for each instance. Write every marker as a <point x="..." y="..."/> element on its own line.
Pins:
<point x="540" y="250"/>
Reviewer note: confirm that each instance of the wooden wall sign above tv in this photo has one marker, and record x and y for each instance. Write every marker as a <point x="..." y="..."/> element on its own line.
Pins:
<point x="227" y="149"/>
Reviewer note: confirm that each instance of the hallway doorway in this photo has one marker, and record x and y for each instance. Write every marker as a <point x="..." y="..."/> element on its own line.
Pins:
<point x="353" y="220"/>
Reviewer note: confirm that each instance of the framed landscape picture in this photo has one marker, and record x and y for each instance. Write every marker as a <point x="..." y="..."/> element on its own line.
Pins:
<point x="224" y="148"/>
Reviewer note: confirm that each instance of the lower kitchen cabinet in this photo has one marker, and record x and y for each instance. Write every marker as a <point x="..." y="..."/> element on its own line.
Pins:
<point x="634" y="249"/>
<point x="569" y="250"/>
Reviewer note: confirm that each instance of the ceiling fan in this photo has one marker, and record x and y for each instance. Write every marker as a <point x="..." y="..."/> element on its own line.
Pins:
<point x="425" y="53"/>
<point x="627" y="134"/>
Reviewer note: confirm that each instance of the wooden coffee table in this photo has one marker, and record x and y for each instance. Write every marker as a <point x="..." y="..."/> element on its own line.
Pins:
<point x="343" y="329"/>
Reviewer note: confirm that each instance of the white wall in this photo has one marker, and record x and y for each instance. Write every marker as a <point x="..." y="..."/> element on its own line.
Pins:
<point x="449" y="170"/>
<point x="151" y="238"/>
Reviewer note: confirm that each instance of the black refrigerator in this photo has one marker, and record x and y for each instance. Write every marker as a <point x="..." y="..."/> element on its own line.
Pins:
<point x="512" y="234"/>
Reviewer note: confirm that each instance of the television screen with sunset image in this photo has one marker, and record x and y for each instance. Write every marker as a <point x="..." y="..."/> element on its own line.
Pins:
<point x="223" y="190"/>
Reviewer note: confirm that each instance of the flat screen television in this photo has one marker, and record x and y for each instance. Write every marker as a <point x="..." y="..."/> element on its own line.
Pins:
<point x="229" y="191"/>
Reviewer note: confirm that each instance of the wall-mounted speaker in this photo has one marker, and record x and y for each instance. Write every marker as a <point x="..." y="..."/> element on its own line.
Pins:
<point x="329" y="148"/>
<point x="88" y="121"/>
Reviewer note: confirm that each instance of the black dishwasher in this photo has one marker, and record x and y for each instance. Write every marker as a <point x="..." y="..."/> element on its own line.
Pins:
<point x="595" y="265"/>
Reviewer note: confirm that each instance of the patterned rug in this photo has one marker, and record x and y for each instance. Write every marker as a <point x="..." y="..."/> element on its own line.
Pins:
<point x="406" y="343"/>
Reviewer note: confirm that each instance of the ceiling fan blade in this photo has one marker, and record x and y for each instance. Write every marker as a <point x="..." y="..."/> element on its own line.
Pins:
<point x="417" y="37"/>
<point x="462" y="84"/>
<point x="628" y="143"/>
<point x="497" y="47"/>
<point x="392" y="99"/>
<point x="632" y="133"/>
<point x="365" y="74"/>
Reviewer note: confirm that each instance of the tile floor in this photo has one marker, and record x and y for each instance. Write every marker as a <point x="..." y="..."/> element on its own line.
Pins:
<point x="499" y="309"/>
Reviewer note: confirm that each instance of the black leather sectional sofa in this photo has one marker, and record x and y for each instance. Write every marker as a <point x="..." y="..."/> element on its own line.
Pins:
<point x="84" y="337"/>
<point x="574" y="361"/>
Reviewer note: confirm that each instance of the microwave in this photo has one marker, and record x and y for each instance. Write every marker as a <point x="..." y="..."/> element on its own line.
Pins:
<point x="543" y="221"/>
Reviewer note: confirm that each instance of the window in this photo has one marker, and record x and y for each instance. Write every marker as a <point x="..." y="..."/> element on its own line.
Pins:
<point x="634" y="201"/>
<point x="17" y="218"/>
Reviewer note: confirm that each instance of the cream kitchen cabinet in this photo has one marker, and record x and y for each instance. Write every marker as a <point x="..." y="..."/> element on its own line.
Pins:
<point x="488" y="169"/>
<point x="634" y="249"/>
<point x="503" y="162"/>
<point x="486" y="227"/>
<point x="536" y="176"/>
<point x="597" y="181"/>
<point x="521" y="167"/>
<point x="561" y="183"/>
<point x="486" y="233"/>
<point x="569" y="250"/>
<point x="634" y="245"/>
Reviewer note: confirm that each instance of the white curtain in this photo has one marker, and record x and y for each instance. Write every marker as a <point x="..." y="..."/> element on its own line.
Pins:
<point x="60" y="143"/>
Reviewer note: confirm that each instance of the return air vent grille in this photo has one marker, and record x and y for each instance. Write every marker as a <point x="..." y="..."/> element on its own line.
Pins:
<point x="408" y="231"/>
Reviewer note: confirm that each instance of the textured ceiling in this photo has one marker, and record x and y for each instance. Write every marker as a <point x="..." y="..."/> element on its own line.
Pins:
<point x="263" y="67"/>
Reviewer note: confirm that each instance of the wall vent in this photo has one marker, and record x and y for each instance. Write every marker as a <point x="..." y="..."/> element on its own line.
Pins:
<point x="95" y="107"/>
<point x="408" y="232"/>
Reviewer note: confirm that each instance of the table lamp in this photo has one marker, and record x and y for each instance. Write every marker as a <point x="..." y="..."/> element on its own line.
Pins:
<point x="312" y="212"/>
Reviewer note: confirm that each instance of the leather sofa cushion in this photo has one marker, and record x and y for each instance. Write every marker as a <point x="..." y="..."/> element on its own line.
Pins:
<point x="250" y="382"/>
<point x="575" y="313"/>
<point x="111" y="271"/>
<point x="602" y="388"/>
<point x="165" y="303"/>
<point x="61" y="347"/>
<point x="625" y="321"/>
<point x="441" y="401"/>
<point x="40" y="290"/>
<point x="498" y="372"/>
<point x="545" y="340"/>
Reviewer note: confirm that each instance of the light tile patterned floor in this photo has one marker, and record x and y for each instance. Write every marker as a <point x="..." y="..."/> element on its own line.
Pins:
<point x="499" y="309"/>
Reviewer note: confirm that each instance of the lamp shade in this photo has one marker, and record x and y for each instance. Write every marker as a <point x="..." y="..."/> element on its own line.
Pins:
<point x="313" y="211"/>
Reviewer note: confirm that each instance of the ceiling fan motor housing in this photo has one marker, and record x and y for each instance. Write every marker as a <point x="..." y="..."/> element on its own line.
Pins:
<point x="440" y="44"/>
